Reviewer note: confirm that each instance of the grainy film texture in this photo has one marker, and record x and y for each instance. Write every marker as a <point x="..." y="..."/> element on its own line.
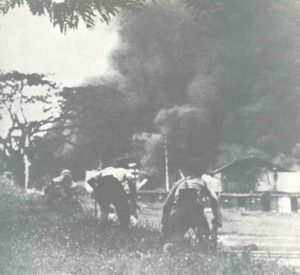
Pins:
<point x="149" y="137"/>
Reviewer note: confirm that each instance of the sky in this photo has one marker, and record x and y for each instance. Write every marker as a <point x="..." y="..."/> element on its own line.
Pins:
<point x="30" y="44"/>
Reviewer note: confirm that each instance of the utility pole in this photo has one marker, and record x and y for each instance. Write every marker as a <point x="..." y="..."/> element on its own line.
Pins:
<point x="166" y="165"/>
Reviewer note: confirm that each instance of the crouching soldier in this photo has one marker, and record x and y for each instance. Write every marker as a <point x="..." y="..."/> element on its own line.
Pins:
<point x="114" y="185"/>
<point x="60" y="190"/>
<point x="184" y="209"/>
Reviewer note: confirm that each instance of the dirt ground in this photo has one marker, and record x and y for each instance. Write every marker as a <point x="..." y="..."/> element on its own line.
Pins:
<point x="276" y="236"/>
<point x="268" y="230"/>
<point x="35" y="240"/>
<point x="272" y="233"/>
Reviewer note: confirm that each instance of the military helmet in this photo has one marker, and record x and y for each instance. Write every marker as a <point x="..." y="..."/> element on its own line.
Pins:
<point x="66" y="175"/>
<point x="66" y="172"/>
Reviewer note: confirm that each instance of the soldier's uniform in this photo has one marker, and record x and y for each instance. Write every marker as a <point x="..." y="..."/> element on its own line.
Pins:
<point x="60" y="189"/>
<point x="115" y="186"/>
<point x="184" y="209"/>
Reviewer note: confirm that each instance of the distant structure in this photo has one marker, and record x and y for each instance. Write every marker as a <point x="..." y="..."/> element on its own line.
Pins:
<point x="256" y="184"/>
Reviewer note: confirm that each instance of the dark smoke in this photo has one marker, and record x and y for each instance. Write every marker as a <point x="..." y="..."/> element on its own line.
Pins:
<point x="215" y="88"/>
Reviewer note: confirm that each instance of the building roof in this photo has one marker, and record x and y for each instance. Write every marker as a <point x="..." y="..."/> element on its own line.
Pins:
<point x="249" y="163"/>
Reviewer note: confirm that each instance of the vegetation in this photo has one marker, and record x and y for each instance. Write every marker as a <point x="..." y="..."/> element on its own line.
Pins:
<point x="36" y="241"/>
<point x="223" y="86"/>
<point x="19" y="94"/>
<point x="104" y="123"/>
<point x="216" y="87"/>
<point x="67" y="14"/>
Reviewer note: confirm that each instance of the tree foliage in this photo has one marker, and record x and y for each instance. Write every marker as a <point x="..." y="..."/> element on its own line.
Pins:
<point x="18" y="97"/>
<point x="68" y="13"/>
<point x="220" y="87"/>
<point x="104" y="125"/>
<point x="217" y="88"/>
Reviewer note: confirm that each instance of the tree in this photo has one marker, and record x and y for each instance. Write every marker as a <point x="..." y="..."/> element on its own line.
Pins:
<point x="104" y="125"/>
<point x="20" y="93"/>
<point x="238" y="65"/>
<point x="68" y="13"/>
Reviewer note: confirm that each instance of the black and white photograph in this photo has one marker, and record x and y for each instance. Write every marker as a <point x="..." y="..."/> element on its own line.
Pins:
<point x="146" y="137"/>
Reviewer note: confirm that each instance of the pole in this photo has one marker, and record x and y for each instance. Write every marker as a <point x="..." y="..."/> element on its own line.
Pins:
<point x="26" y="163"/>
<point x="166" y="166"/>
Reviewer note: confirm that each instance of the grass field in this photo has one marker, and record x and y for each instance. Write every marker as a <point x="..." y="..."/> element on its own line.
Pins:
<point x="36" y="241"/>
